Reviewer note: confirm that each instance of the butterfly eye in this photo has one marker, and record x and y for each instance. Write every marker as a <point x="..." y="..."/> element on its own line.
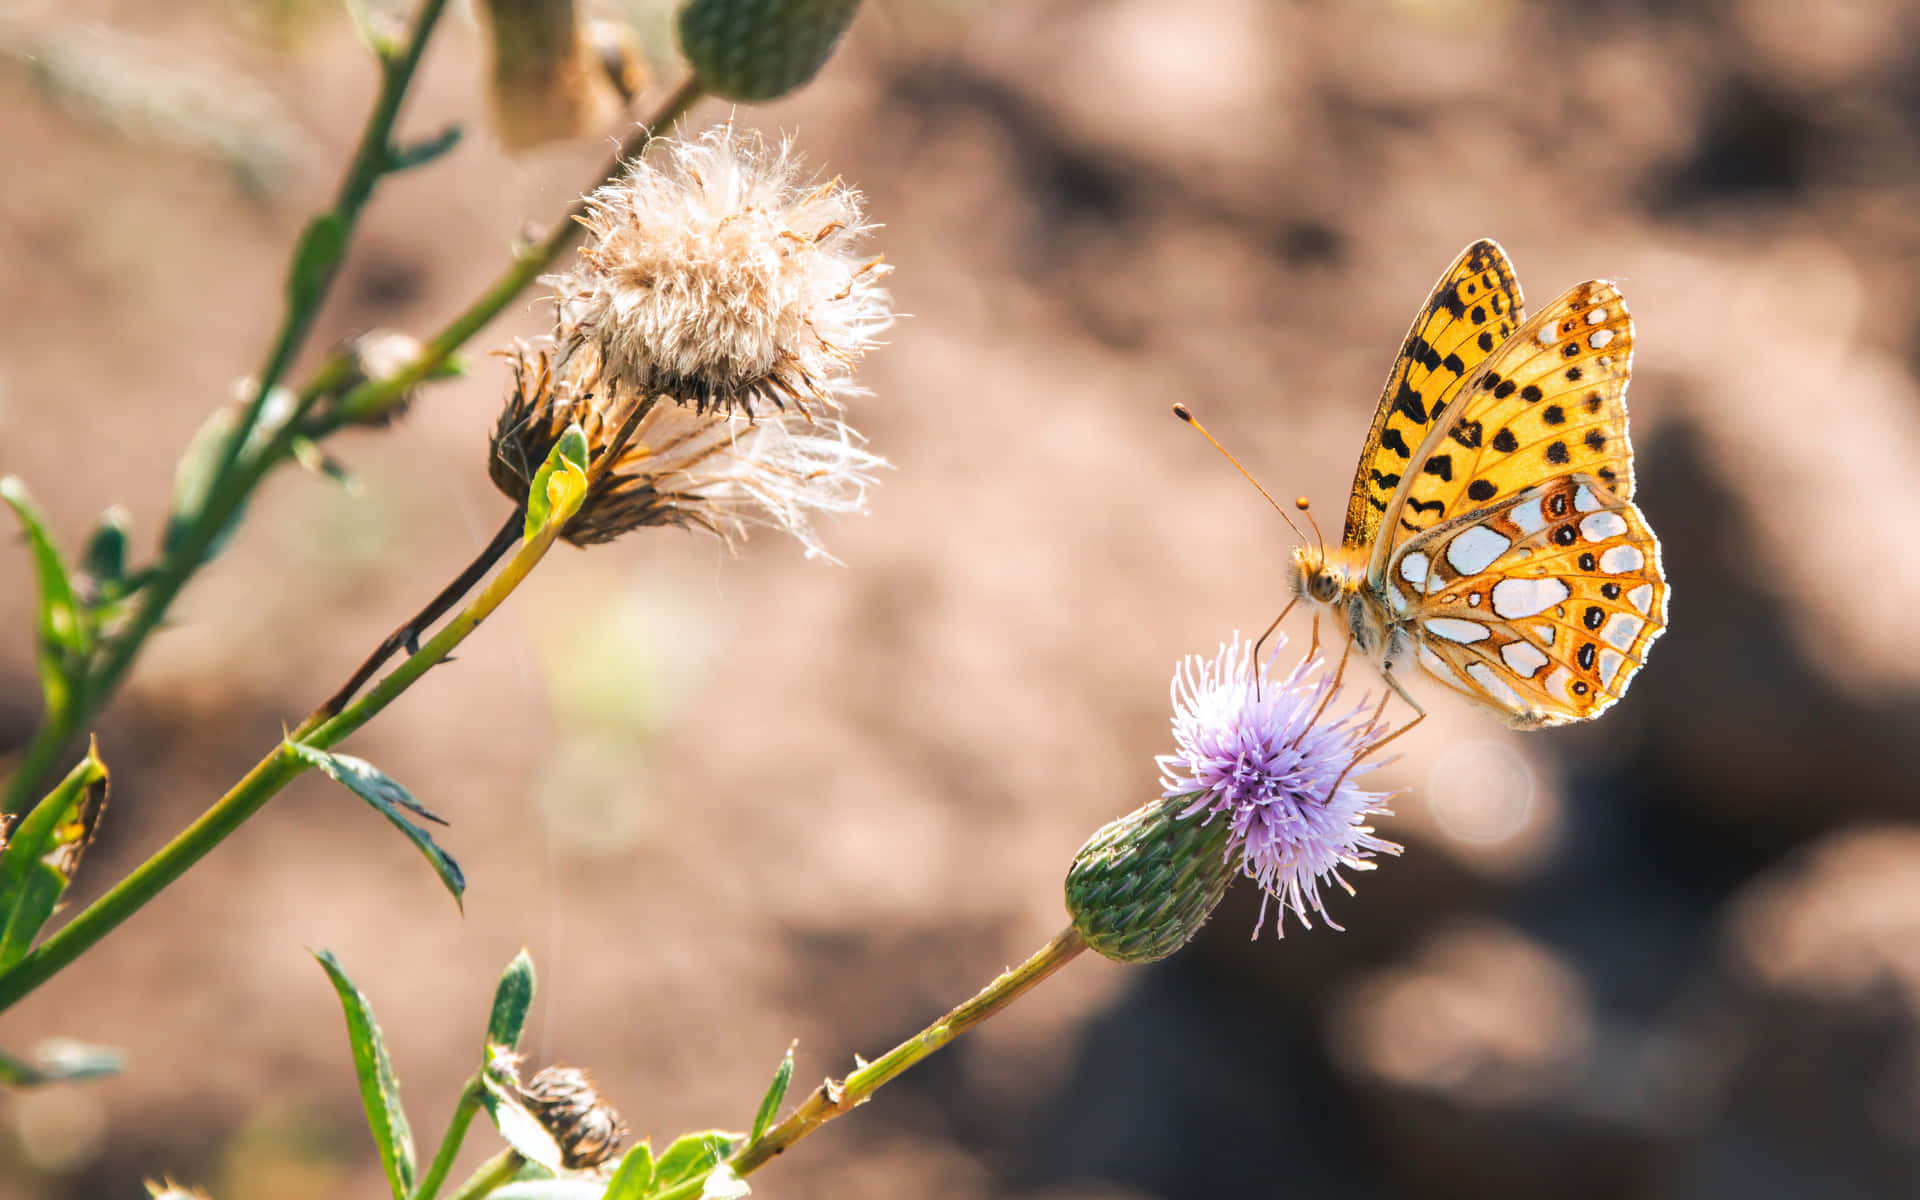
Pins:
<point x="1324" y="586"/>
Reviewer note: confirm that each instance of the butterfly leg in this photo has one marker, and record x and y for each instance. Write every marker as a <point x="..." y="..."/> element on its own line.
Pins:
<point x="1386" y="673"/>
<point x="1373" y="749"/>
<point x="1338" y="674"/>
<point x="1263" y="641"/>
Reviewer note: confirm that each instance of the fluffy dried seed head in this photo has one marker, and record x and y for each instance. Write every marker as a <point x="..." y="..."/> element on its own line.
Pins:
<point x="698" y="470"/>
<point x="565" y="1102"/>
<point x="723" y="280"/>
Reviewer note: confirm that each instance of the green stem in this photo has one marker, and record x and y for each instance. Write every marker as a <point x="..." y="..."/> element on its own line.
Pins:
<point x="51" y="739"/>
<point x="376" y="395"/>
<point x="832" y="1099"/>
<point x="261" y="784"/>
<point x="429" y="1185"/>
<point x="369" y="163"/>
<point x="497" y="1171"/>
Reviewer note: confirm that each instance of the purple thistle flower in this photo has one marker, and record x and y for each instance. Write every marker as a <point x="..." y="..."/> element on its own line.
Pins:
<point x="1264" y="755"/>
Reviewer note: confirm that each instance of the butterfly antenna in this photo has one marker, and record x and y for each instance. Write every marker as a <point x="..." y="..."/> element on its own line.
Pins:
<point x="1301" y="504"/>
<point x="1185" y="414"/>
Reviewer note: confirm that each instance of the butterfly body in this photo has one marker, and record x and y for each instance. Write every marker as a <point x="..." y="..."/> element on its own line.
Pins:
<point x="1491" y="534"/>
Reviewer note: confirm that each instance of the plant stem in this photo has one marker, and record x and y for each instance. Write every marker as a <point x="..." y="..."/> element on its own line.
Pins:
<point x="261" y="784"/>
<point x="469" y="1104"/>
<point x="409" y="633"/>
<point x="376" y="394"/>
<point x="51" y="739"/>
<point x="369" y="163"/>
<point x="495" y="1172"/>
<point x="833" y="1099"/>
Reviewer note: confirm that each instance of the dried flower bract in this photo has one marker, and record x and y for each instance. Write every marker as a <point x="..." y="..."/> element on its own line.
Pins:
<point x="725" y="280"/>
<point x="706" y="471"/>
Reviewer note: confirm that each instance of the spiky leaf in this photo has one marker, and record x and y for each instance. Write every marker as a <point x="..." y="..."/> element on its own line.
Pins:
<point x="633" y="1179"/>
<point x="511" y="999"/>
<point x="692" y="1157"/>
<point x="44" y="850"/>
<point x="62" y="636"/>
<point x="391" y="801"/>
<point x="379" y="1087"/>
<point x="61" y="1060"/>
<point x="770" y="1103"/>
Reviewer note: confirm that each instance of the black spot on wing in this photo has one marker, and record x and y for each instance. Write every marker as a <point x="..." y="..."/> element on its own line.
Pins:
<point x="1408" y="401"/>
<point x="1420" y="506"/>
<point x="1505" y="442"/>
<point x="1441" y="465"/>
<point x="1392" y="440"/>
<point x="1467" y="433"/>
<point x="1481" y="491"/>
<point x="1557" y="454"/>
<point x="1421" y="351"/>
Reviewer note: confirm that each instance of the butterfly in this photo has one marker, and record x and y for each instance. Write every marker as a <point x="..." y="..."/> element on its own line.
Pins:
<point x="1491" y="536"/>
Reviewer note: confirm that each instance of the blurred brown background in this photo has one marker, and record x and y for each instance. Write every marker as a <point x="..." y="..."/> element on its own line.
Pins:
<point x="730" y="803"/>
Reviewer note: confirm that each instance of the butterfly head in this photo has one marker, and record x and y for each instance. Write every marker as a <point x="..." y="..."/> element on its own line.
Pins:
<point x="1313" y="578"/>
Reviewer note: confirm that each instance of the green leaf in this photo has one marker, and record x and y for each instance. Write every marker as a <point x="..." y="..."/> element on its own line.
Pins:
<point x="322" y="245"/>
<point x="633" y="1179"/>
<point x="105" y="558"/>
<point x="510" y="1003"/>
<point x="561" y="482"/>
<point x="691" y="1157"/>
<point x="521" y="1129"/>
<point x="388" y="798"/>
<point x="420" y="153"/>
<point x="61" y="1060"/>
<point x="63" y="638"/>
<point x="379" y="1089"/>
<point x="770" y="1103"/>
<point x="43" y="852"/>
<point x="193" y="476"/>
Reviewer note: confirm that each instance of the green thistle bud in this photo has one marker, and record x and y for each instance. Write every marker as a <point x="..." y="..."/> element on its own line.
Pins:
<point x="1143" y="885"/>
<point x="755" y="50"/>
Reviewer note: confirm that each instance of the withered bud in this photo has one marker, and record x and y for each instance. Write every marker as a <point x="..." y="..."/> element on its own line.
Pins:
<point x="376" y="355"/>
<point x="587" y="1129"/>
